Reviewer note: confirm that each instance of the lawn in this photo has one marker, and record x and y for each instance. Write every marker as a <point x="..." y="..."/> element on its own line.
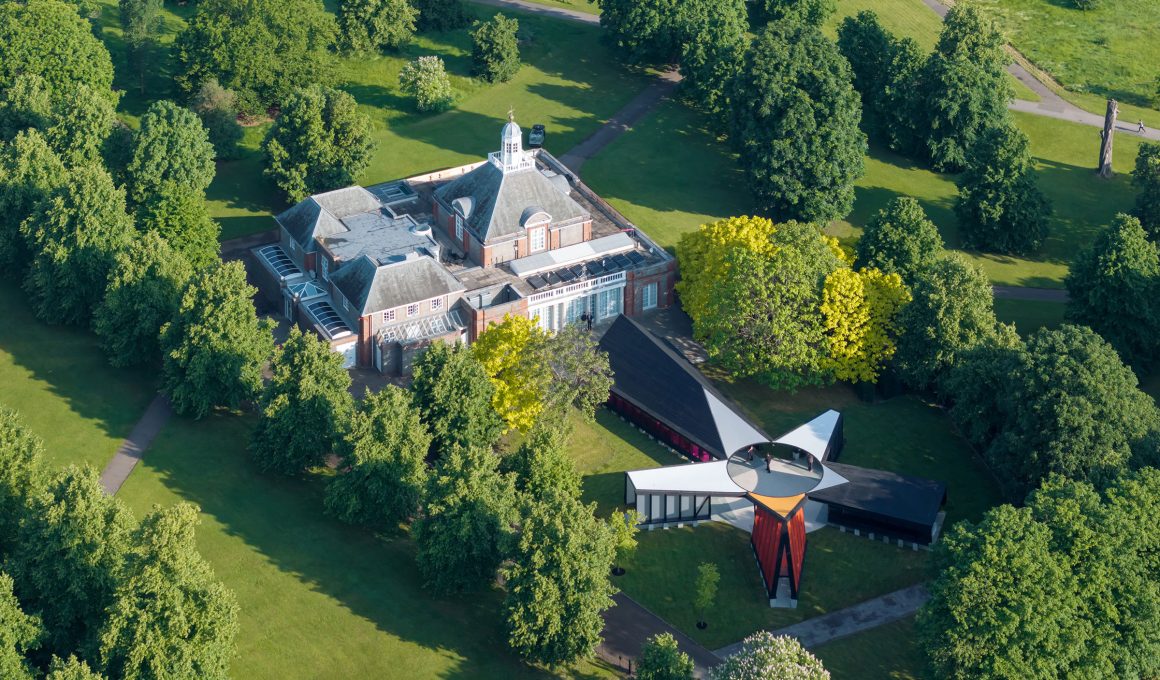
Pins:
<point x="669" y="175"/>
<point x="318" y="599"/>
<point x="885" y="653"/>
<point x="839" y="570"/>
<point x="586" y="6"/>
<point x="1110" y="50"/>
<point x="569" y="82"/>
<point x="59" y="381"/>
<point x="1029" y="315"/>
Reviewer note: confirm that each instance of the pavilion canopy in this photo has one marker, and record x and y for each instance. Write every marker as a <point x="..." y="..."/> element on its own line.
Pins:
<point x="815" y="437"/>
<point x="710" y="479"/>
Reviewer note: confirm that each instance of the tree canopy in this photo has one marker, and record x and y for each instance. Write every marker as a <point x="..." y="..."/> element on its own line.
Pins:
<point x="74" y="118"/>
<point x="762" y="656"/>
<point x="713" y="54"/>
<point x="214" y="349"/>
<point x="1146" y="179"/>
<point x="900" y="239"/>
<point x="809" y="12"/>
<point x="795" y="124"/>
<point x="75" y="235"/>
<point x="952" y="311"/>
<point x="305" y="406"/>
<point x="495" y="49"/>
<point x="29" y="173"/>
<point x="384" y="470"/>
<point x="558" y="581"/>
<point x="1000" y="207"/>
<point x="467" y="526"/>
<point x="454" y="395"/>
<point x="860" y="310"/>
<point x="885" y="68"/>
<point x="1112" y="288"/>
<point x="511" y="353"/>
<point x="441" y="15"/>
<point x="425" y="80"/>
<point x="370" y="26"/>
<point x="180" y="216"/>
<point x="581" y="377"/>
<point x="170" y="617"/>
<point x="261" y="49"/>
<point x="21" y="473"/>
<point x="172" y="147"/>
<point x="19" y="633"/>
<point x="542" y="462"/>
<point x="320" y="142"/>
<point x="963" y="88"/>
<point x="144" y="291"/>
<point x="662" y="659"/>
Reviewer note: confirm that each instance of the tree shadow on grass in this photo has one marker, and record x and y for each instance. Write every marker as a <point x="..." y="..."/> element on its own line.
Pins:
<point x="374" y="577"/>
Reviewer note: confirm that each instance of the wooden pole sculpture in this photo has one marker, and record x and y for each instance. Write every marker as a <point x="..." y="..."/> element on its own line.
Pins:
<point x="1109" y="131"/>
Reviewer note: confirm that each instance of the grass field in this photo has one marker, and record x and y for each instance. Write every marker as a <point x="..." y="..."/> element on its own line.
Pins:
<point x="318" y="599"/>
<point x="586" y="6"/>
<point x="1110" y="50"/>
<point x="1028" y="315"/>
<point x="669" y="175"/>
<point x="884" y="653"/>
<point x="839" y="570"/>
<point x="568" y="82"/>
<point x="59" y="381"/>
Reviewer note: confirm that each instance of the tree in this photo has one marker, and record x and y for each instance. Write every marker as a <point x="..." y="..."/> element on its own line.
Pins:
<point x="218" y="109"/>
<point x="705" y="590"/>
<point x="581" y="377"/>
<point x="29" y="173"/>
<point x="963" y="89"/>
<point x="21" y="473"/>
<point x="384" y="458"/>
<point x="214" y="349"/>
<point x="795" y="125"/>
<point x="72" y="669"/>
<point x="1000" y="207"/>
<point x="557" y="584"/>
<point x="1112" y="289"/>
<point x="860" y="310"/>
<point x="754" y="292"/>
<point x="495" y="49"/>
<point x="144" y="291"/>
<point x="510" y="353"/>
<point x="1146" y="179"/>
<point x="713" y="53"/>
<point x="180" y="216"/>
<point x="441" y="15"/>
<point x="1002" y="605"/>
<point x="68" y="557"/>
<point x="261" y="49"/>
<point x="140" y="20"/>
<point x="900" y="239"/>
<point x="466" y="528"/>
<point x="73" y="119"/>
<point x="542" y="463"/>
<point x="75" y="235"/>
<point x="764" y="656"/>
<point x="454" y="395"/>
<point x="624" y="525"/>
<point x="320" y="142"/>
<point x="662" y="659"/>
<point x="425" y="80"/>
<point x="809" y="12"/>
<point x="170" y="616"/>
<point x="305" y="407"/>
<point x="976" y="386"/>
<point x="952" y="311"/>
<point x="370" y="26"/>
<point x="1074" y="409"/>
<point x="172" y="147"/>
<point x="51" y="40"/>
<point x="19" y="633"/>
<point x="642" y="31"/>
<point x="885" y="68"/>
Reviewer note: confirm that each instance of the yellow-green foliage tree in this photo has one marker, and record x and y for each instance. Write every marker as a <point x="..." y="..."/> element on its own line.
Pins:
<point x="704" y="257"/>
<point x="510" y="353"/>
<point x="859" y="310"/>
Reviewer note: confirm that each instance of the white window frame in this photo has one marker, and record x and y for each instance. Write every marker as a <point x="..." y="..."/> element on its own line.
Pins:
<point x="459" y="228"/>
<point x="648" y="295"/>
<point x="324" y="267"/>
<point x="388" y="315"/>
<point x="293" y="246"/>
<point x="436" y="304"/>
<point x="537" y="239"/>
<point x="412" y="309"/>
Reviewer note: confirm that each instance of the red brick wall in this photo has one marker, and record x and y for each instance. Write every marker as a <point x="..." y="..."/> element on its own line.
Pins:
<point x="365" y="340"/>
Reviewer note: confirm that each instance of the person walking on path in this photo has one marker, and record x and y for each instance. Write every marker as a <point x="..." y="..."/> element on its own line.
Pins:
<point x="768" y="461"/>
<point x="1142" y="129"/>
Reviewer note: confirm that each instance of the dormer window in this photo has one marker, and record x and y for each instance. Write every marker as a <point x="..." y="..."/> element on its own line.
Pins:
<point x="537" y="239"/>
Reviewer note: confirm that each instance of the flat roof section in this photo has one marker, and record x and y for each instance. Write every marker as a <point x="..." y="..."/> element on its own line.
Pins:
<point x="709" y="479"/>
<point x="887" y="496"/>
<point x="573" y="254"/>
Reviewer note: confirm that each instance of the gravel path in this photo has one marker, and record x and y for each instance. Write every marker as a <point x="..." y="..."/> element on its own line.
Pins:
<point x="133" y="448"/>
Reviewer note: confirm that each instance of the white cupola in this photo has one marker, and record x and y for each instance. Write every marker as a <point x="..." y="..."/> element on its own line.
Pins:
<point x="511" y="156"/>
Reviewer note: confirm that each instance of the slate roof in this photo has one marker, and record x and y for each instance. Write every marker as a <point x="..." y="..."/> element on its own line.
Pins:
<point x="371" y="288"/>
<point x="651" y="375"/>
<point x="321" y="215"/>
<point x="498" y="201"/>
<point x="886" y="496"/>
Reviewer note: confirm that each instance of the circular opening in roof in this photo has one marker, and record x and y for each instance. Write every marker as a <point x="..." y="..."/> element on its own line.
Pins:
<point x="775" y="471"/>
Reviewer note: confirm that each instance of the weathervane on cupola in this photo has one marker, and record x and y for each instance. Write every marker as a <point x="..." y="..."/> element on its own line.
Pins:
<point x="511" y="156"/>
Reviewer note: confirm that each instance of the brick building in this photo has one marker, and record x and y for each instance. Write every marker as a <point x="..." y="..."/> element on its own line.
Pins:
<point x="381" y="272"/>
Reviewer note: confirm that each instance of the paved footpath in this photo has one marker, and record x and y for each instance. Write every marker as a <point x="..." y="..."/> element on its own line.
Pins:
<point x="627" y="625"/>
<point x="133" y="448"/>
<point x="534" y="8"/>
<point x="869" y="614"/>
